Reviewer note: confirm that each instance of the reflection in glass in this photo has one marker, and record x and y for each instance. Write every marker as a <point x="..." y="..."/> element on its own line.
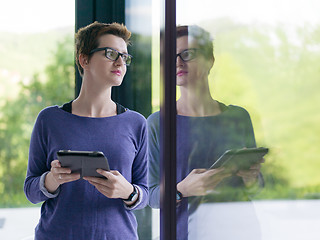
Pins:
<point x="267" y="60"/>
<point x="206" y="128"/>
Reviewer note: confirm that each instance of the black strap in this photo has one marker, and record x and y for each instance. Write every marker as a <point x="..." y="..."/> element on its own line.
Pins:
<point x="68" y="107"/>
<point x="120" y="109"/>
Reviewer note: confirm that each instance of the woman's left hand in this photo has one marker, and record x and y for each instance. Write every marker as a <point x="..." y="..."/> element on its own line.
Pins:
<point x="113" y="186"/>
<point x="250" y="176"/>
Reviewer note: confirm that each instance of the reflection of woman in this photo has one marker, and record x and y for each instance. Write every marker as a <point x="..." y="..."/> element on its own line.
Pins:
<point x="206" y="128"/>
<point x="91" y="208"/>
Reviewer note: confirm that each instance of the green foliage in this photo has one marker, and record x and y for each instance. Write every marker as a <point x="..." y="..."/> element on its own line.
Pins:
<point x="274" y="73"/>
<point x="27" y="53"/>
<point x="140" y="73"/>
<point x="271" y="71"/>
<point x="55" y="86"/>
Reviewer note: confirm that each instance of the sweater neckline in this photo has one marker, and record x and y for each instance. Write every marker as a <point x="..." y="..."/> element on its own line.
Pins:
<point x="223" y="109"/>
<point x="91" y="118"/>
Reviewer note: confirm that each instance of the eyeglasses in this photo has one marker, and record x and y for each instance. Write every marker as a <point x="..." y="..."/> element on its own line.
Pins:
<point x="113" y="54"/>
<point x="188" y="54"/>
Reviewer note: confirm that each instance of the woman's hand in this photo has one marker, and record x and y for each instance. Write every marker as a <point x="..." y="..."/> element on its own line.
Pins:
<point x="58" y="175"/>
<point x="250" y="176"/>
<point x="114" y="186"/>
<point x="200" y="182"/>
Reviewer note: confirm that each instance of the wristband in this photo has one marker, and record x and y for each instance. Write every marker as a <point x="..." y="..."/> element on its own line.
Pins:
<point x="133" y="196"/>
<point x="179" y="196"/>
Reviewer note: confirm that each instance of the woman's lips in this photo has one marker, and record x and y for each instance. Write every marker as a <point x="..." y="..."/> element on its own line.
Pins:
<point x="181" y="73"/>
<point x="117" y="72"/>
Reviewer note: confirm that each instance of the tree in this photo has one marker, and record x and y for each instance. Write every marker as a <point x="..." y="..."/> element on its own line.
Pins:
<point x="54" y="86"/>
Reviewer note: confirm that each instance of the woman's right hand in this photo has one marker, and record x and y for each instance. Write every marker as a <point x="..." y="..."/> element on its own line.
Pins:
<point x="58" y="175"/>
<point x="201" y="182"/>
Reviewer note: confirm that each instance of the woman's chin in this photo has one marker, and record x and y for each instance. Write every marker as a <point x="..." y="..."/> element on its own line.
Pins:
<point x="181" y="82"/>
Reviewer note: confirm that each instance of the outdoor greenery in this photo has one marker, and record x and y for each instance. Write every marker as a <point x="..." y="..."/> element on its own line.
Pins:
<point x="274" y="72"/>
<point x="271" y="71"/>
<point x="54" y="86"/>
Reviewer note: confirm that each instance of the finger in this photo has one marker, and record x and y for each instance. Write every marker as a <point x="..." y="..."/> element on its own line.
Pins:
<point x="254" y="171"/>
<point x="59" y="170"/>
<point x="96" y="180"/>
<point x="114" y="172"/>
<point x="213" y="182"/>
<point x="249" y="173"/>
<point x="105" y="190"/>
<point x="255" y="166"/>
<point x="108" y="174"/>
<point x="244" y="172"/>
<point x="63" y="178"/>
<point x="220" y="176"/>
<point x="96" y="184"/>
<point x="56" y="167"/>
<point x="72" y="177"/>
<point x="199" y="170"/>
<point x="216" y="170"/>
<point x="55" y="163"/>
<point x="225" y="174"/>
<point x="101" y="189"/>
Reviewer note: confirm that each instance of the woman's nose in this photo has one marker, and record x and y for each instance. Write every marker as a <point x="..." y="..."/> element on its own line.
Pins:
<point x="119" y="61"/>
<point x="179" y="61"/>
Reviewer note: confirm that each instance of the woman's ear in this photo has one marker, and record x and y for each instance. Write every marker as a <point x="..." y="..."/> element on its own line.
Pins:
<point x="83" y="60"/>
<point x="210" y="63"/>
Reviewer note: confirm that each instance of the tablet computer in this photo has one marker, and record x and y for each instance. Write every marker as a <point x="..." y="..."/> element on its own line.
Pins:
<point x="240" y="159"/>
<point x="84" y="162"/>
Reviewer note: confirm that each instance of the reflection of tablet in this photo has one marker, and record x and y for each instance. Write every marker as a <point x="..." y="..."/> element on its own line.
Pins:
<point x="84" y="162"/>
<point x="240" y="159"/>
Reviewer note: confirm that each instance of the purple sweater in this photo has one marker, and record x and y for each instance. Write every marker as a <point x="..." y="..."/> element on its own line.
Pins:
<point x="77" y="210"/>
<point x="200" y="142"/>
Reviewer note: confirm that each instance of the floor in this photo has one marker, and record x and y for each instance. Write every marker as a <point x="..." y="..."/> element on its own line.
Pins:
<point x="277" y="220"/>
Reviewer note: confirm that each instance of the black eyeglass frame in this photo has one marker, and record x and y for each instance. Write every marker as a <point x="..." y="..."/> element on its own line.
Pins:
<point x="119" y="54"/>
<point x="186" y="50"/>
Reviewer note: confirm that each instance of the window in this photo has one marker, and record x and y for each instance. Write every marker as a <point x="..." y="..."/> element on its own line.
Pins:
<point x="267" y="62"/>
<point x="36" y="70"/>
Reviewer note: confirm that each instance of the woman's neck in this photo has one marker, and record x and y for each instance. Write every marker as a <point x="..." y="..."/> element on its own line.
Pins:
<point x="197" y="103"/>
<point x="94" y="102"/>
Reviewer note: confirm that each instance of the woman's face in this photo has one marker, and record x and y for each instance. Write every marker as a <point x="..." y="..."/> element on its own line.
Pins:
<point x="194" y="71"/>
<point x="104" y="70"/>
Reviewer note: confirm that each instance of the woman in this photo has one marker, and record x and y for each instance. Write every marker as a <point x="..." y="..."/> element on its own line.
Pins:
<point x="92" y="207"/>
<point x="206" y="128"/>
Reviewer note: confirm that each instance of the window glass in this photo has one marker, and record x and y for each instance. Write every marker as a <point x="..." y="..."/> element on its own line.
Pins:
<point x="259" y="90"/>
<point x="36" y="70"/>
<point x="138" y="19"/>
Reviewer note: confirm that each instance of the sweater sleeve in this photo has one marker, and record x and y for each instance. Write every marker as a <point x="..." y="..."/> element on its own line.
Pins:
<point x="140" y="171"/>
<point x="251" y="142"/>
<point x="154" y="160"/>
<point x="249" y="132"/>
<point x="36" y="164"/>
